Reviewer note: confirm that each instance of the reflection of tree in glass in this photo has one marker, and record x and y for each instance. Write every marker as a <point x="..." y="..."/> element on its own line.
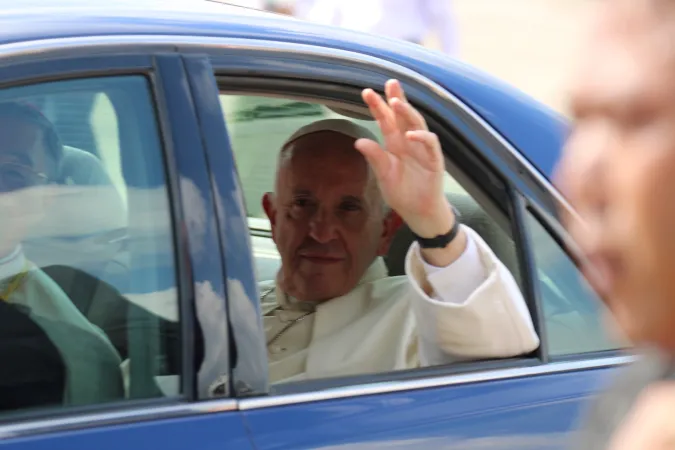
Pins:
<point x="291" y="109"/>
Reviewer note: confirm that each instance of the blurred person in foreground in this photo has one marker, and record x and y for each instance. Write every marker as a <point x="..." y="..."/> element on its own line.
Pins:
<point x="410" y="20"/>
<point x="623" y="100"/>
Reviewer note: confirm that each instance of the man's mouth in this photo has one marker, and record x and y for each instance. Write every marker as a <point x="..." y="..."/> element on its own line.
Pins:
<point x="321" y="259"/>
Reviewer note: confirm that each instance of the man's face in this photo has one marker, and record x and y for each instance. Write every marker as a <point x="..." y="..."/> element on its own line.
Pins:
<point x="24" y="163"/>
<point x="619" y="165"/>
<point x="327" y="217"/>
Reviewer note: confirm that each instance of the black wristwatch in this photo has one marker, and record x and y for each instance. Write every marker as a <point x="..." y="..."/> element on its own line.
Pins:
<point x="442" y="240"/>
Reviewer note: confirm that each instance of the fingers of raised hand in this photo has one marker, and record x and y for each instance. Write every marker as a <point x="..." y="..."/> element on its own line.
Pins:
<point x="393" y="89"/>
<point x="378" y="159"/>
<point x="429" y="152"/>
<point x="407" y="117"/>
<point x="380" y="110"/>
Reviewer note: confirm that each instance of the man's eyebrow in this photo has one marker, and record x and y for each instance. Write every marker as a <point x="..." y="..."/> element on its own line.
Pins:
<point x="352" y="198"/>
<point x="301" y="192"/>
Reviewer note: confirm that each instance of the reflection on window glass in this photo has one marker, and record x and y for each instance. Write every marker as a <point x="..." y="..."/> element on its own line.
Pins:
<point x="87" y="276"/>
<point x="573" y="313"/>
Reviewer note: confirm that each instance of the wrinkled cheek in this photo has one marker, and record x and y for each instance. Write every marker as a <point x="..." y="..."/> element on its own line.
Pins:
<point x="288" y="239"/>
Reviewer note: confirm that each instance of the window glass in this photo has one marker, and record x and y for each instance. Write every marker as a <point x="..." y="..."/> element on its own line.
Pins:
<point x="87" y="275"/>
<point x="573" y="313"/>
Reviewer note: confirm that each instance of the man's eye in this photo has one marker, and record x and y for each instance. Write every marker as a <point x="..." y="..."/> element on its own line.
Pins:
<point x="301" y="202"/>
<point x="350" y="206"/>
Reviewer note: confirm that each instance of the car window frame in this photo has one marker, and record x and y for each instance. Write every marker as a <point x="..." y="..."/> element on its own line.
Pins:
<point x="31" y="64"/>
<point x="278" y="87"/>
<point x="286" y="60"/>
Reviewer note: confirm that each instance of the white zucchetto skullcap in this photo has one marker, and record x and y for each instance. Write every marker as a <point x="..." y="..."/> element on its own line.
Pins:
<point x="341" y="126"/>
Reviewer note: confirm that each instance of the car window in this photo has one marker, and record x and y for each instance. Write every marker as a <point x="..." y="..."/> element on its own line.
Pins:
<point x="258" y="125"/>
<point x="573" y="313"/>
<point x="86" y="246"/>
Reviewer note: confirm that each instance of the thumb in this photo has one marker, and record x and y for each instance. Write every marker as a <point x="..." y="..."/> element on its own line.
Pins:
<point x="376" y="156"/>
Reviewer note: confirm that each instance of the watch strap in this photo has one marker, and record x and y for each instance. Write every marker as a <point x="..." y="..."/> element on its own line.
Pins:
<point x="440" y="241"/>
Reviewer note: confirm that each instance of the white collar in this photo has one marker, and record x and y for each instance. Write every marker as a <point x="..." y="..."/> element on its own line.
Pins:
<point x="376" y="271"/>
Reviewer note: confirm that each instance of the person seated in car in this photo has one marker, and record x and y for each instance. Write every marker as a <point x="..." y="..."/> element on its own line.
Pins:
<point x="30" y="154"/>
<point x="332" y="310"/>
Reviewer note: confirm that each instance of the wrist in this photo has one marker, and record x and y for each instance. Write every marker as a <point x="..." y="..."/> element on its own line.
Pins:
<point x="436" y="224"/>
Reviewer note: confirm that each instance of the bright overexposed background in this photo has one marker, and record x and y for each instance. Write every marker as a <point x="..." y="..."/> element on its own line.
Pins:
<point x="529" y="43"/>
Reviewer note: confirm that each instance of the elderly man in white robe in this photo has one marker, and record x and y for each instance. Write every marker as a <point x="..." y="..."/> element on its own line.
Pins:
<point x="332" y="310"/>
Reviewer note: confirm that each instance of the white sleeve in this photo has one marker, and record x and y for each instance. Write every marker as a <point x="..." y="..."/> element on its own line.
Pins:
<point x="467" y="274"/>
<point x="469" y="310"/>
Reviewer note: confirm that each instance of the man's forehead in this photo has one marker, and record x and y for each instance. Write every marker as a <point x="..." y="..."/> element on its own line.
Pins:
<point x="324" y="159"/>
<point x="325" y="146"/>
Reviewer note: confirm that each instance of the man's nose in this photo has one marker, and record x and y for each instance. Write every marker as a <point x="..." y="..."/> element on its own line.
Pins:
<point x="323" y="226"/>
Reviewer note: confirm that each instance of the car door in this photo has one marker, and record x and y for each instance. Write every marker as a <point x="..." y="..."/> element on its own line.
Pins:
<point x="121" y="295"/>
<point x="528" y="402"/>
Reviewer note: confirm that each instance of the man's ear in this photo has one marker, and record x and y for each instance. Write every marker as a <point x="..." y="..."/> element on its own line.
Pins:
<point x="270" y="210"/>
<point x="392" y="223"/>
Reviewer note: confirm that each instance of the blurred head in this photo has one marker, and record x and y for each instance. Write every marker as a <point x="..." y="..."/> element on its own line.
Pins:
<point x="29" y="154"/>
<point x="328" y="218"/>
<point x="619" y="165"/>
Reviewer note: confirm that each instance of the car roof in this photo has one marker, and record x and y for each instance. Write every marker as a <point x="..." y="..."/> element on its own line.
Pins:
<point x="534" y="129"/>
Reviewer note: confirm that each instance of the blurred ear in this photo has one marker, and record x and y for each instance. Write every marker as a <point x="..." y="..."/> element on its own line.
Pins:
<point x="270" y="210"/>
<point x="392" y="223"/>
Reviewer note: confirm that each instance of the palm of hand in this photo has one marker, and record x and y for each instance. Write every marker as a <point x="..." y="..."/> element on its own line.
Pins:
<point x="410" y="168"/>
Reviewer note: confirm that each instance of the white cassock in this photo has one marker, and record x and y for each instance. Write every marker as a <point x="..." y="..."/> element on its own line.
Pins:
<point x="472" y="309"/>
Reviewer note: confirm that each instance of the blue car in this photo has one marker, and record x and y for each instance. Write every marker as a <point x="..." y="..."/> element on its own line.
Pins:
<point x="168" y="117"/>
